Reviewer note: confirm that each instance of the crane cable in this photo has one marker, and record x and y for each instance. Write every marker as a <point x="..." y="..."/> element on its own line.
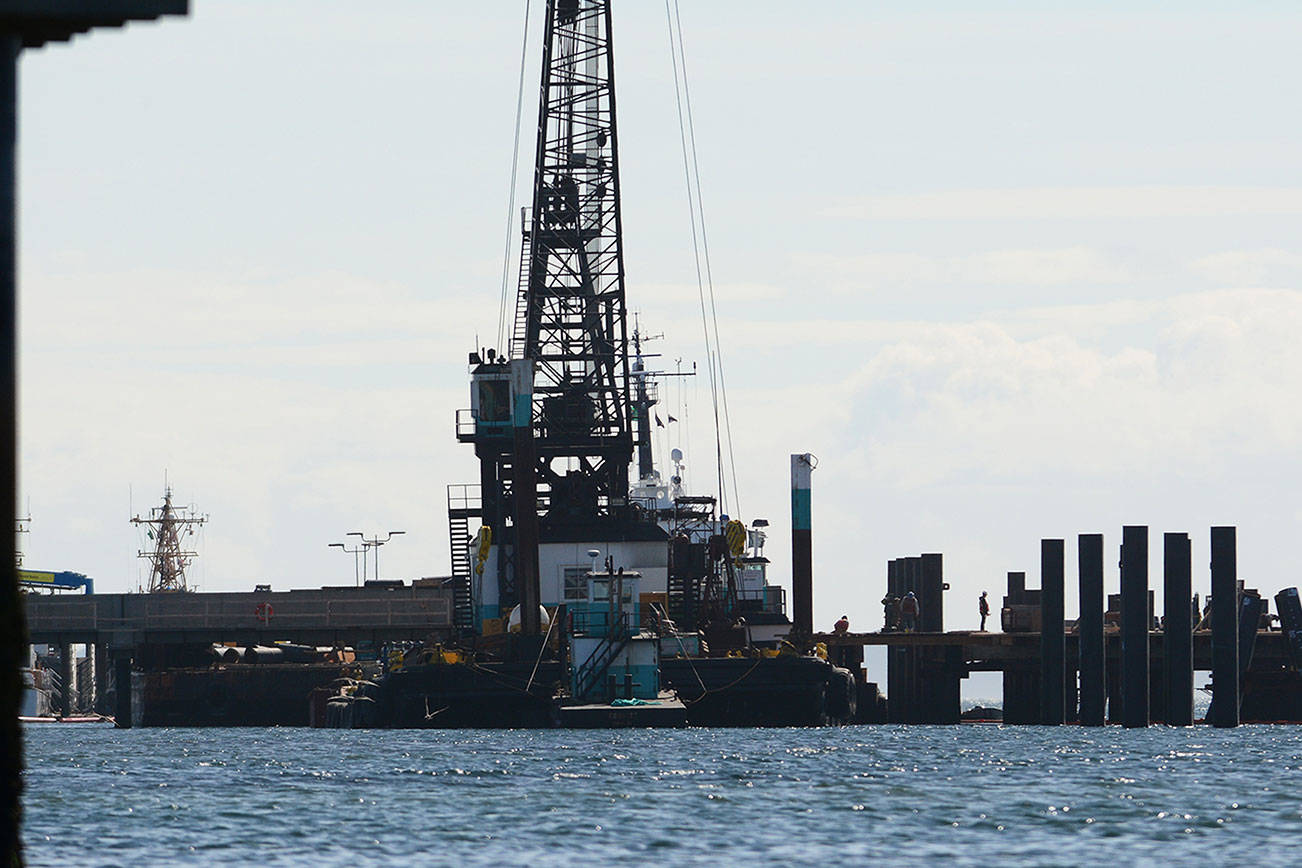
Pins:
<point x="701" y="250"/>
<point x="502" y="336"/>
<point x="674" y="50"/>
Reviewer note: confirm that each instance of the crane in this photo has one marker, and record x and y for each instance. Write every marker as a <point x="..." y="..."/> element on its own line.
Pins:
<point x="551" y="422"/>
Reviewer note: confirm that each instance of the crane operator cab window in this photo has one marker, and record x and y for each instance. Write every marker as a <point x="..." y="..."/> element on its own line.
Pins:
<point x="494" y="401"/>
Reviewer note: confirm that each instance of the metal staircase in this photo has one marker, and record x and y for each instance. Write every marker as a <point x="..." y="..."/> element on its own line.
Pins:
<point x="592" y="672"/>
<point x="463" y="505"/>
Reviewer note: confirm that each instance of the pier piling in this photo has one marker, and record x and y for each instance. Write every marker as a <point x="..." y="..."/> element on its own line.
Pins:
<point x="1250" y="608"/>
<point x="68" y="675"/>
<point x="1021" y="680"/>
<point x="1288" y="604"/>
<point x="931" y="593"/>
<point x="1177" y="630"/>
<point x="802" y="552"/>
<point x="100" y="654"/>
<point x="1093" y="656"/>
<point x="1224" y="710"/>
<point x="1135" y="624"/>
<point x="1053" y="647"/>
<point x="895" y="657"/>
<point x="122" y="692"/>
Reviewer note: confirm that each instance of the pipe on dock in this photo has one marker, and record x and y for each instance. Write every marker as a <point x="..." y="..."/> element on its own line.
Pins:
<point x="802" y="550"/>
<point x="263" y="654"/>
<point x="228" y="654"/>
<point x="301" y="653"/>
<point x="1224" y="710"/>
<point x="1093" y="655"/>
<point x="1177" y="630"/>
<point x="1134" y="626"/>
<point x="1053" y="642"/>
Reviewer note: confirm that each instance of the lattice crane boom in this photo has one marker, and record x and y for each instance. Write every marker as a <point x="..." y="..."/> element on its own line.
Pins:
<point x="572" y="290"/>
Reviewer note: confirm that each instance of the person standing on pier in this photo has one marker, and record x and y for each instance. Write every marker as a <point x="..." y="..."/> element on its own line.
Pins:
<point x="983" y="606"/>
<point x="842" y="625"/>
<point x="909" y="611"/>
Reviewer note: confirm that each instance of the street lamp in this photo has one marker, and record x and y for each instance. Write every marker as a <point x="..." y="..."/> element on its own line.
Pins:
<point x="374" y="542"/>
<point x="354" y="553"/>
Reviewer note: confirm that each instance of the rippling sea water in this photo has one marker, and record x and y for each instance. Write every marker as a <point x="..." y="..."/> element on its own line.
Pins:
<point x="969" y="795"/>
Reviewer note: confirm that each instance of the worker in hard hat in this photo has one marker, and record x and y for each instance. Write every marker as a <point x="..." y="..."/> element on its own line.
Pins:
<point x="909" y="612"/>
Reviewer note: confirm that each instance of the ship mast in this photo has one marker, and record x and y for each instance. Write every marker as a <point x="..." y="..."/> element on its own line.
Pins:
<point x="167" y="526"/>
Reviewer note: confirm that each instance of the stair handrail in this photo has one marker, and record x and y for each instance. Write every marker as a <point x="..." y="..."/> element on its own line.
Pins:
<point x="609" y="648"/>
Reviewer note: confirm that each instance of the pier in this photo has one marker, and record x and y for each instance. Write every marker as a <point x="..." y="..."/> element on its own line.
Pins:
<point x="127" y="632"/>
<point x="1118" y="662"/>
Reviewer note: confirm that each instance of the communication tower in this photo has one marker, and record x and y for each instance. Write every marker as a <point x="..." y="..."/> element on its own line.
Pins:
<point x="167" y="526"/>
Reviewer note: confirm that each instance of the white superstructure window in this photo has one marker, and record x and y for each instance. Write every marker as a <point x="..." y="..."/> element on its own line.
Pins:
<point x="574" y="583"/>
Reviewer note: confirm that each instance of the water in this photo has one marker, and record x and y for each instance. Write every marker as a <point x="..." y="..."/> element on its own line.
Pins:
<point x="969" y="795"/>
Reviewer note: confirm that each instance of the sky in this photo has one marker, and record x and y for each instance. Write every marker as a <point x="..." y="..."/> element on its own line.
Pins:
<point x="1010" y="271"/>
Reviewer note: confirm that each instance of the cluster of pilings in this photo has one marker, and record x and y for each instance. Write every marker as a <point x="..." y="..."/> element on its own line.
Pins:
<point x="922" y="683"/>
<point x="1131" y="690"/>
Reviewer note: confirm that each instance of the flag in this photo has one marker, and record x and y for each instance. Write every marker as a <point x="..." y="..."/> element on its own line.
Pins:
<point x="151" y="533"/>
<point x="660" y="424"/>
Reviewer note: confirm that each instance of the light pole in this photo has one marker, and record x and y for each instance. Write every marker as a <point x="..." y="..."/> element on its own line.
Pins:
<point x="374" y="542"/>
<point x="354" y="553"/>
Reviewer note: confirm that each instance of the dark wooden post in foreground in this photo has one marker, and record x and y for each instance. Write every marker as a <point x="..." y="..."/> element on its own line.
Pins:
<point x="27" y="24"/>
<point x="1224" y="710"/>
<point x="1093" y="656"/>
<point x="1134" y="626"/>
<point x="1053" y="642"/>
<point x="1177" y="630"/>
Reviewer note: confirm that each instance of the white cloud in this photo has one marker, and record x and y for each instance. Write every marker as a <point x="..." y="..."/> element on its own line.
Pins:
<point x="1000" y="269"/>
<point x="1073" y="265"/>
<point x="1250" y="267"/>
